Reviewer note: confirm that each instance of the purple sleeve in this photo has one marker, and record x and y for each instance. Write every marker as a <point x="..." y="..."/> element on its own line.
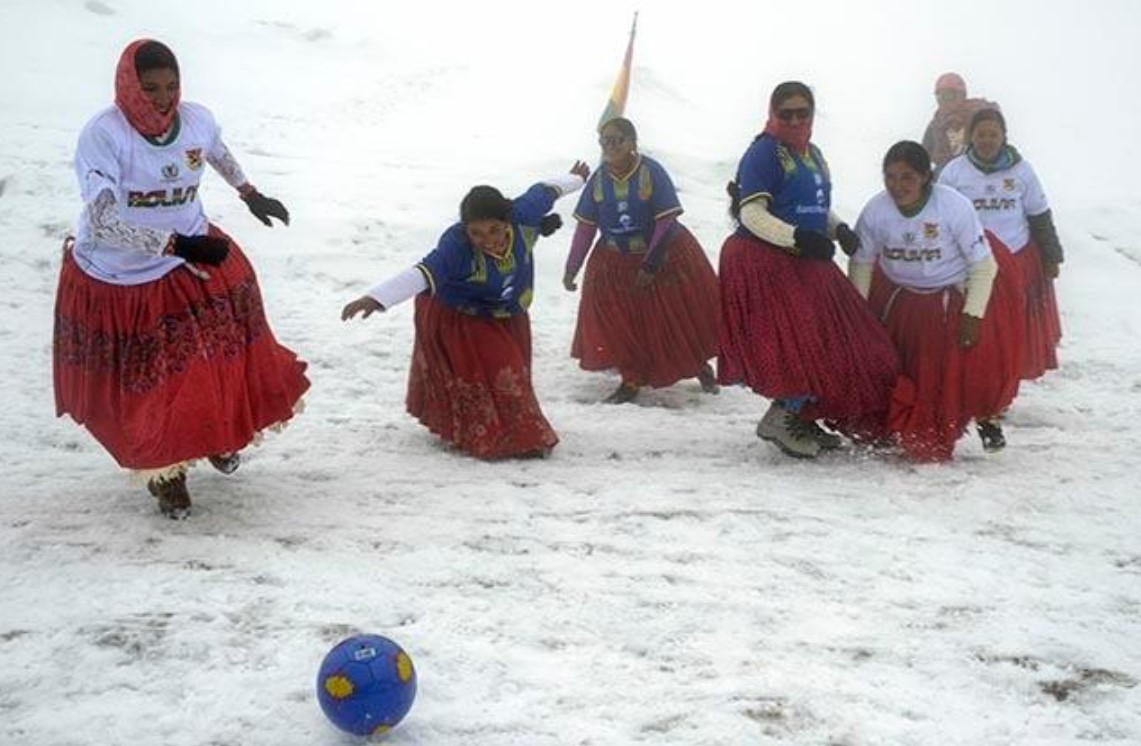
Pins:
<point x="656" y="251"/>
<point x="580" y="246"/>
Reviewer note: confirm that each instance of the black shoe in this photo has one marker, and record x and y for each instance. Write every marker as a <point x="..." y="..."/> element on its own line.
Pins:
<point x="991" y="434"/>
<point x="227" y="463"/>
<point x="173" y="497"/>
<point x="626" y="392"/>
<point x="708" y="380"/>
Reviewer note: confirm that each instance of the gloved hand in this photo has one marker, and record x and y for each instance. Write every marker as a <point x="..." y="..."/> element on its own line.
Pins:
<point x="848" y="239"/>
<point x="264" y="207"/>
<point x="969" y="327"/>
<point x="550" y="223"/>
<point x="812" y="244"/>
<point x="201" y="249"/>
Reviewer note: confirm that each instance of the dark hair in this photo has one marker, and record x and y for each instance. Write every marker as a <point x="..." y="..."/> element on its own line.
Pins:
<point x="154" y="55"/>
<point x="484" y="203"/>
<point x="624" y="125"/>
<point x="986" y="115"/>
<point x="787" y="90"/>
<point x="911" y="153"/>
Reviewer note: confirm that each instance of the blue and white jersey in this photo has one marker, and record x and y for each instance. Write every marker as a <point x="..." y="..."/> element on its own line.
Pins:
<point x="797" y="185"/>
<point x="625" y="208"/>
<point x="472" y="281"/>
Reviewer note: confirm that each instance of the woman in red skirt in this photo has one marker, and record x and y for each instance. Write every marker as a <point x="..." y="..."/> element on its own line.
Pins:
<point x="793" y="328"/>
<point x="1012" y="205"/>
<point x="950" y="307"/>
<point x="161" y="346"/>
<point x="649" y="297"/>
<point x="470" y="378"/>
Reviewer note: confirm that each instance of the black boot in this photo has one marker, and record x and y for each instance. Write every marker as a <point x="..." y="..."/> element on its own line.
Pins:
<point x="990" y="431"/>
<point x="227" y="463"/>
<point x="173" y="497"/>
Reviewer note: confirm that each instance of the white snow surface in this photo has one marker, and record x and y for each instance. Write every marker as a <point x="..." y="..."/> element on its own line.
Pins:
<point x="665" y="577"/>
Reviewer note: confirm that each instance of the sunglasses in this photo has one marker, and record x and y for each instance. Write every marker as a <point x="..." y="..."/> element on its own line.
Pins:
<point x="611" y="141"/>
<point x="787" y="115"/>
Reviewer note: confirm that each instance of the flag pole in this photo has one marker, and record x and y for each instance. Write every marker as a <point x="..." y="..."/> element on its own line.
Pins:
<point x="616" y="106"/>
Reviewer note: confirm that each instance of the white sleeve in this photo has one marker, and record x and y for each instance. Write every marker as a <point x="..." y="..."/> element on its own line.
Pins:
<point x="755" y="216"/>
<point x="565" y="184"/>
<point x="395" y="290"/>
<point x="111" y="230"/>
<point x="980" y="281"/>
<point x="860" y="273"/>
<point x="222" y="160"/>
<point x="869" y="247"/>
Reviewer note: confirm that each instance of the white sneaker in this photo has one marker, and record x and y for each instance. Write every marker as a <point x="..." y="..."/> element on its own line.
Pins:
<point x="788" y="432"/>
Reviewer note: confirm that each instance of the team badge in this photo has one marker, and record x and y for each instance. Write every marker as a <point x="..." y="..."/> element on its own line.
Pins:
<point x="930" y="230"/>
<point x="194" y="158"/>
<point x="1008" y="185"/>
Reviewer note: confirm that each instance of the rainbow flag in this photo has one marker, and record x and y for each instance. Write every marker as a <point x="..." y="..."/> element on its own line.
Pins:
<point x="616" y="106"/>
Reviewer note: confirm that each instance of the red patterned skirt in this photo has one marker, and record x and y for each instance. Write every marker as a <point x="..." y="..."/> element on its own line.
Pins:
<point x="794" y="327"/>
<point x="944" y="386"/>
<point x="171" y="370"/>
<point x="656" y="335"/>
<point x="1043" y="328"/>
<point x="470" y="382"/>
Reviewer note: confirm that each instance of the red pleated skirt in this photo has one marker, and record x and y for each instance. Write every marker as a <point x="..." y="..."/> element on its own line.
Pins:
<point x="794" y="327"/>
<point x="944" y="386"/>
<point x="656" y="335"/>
<point x="470" y="382"/>
<point x="1043" y="329"/>
<point x="171" y="370"/>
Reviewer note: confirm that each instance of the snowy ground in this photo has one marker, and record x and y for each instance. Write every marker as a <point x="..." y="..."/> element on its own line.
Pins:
<point x="664" y="577"/>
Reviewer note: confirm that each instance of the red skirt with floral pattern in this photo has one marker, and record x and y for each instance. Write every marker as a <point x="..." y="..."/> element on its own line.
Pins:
<point x="470" y="382"/>
<point x="171" y="370"/>
<point x="656" y="335"/>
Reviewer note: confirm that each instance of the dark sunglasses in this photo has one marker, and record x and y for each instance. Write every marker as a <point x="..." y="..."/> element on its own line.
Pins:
<point x="611" y="140"/>
<point x="787" y="115"/>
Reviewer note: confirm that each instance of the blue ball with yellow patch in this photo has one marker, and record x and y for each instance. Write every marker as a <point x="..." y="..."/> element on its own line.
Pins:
<point x="366" y="684"/>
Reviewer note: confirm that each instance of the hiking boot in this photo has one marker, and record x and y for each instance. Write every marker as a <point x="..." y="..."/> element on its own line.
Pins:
<point x="788" y="432"/>
<point x="227" y="463"/>
<point x="828" y="441"/>
<point x="173" y="497"/>
<point x="626" y="392"/>
<point x="708" y="379"/>
<point x="990" y="431"/>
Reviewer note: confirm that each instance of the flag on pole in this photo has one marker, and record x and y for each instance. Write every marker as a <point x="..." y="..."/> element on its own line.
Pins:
<point x="616" y="106"/>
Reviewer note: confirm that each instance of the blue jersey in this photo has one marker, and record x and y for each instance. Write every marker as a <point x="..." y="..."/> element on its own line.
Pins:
<point x="797" y="185"/>
<point x="624" y="209"/>
<point x="471" y="281"/>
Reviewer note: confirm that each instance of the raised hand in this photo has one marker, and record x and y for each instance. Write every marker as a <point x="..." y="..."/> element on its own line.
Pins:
<point x="365" y="305"/>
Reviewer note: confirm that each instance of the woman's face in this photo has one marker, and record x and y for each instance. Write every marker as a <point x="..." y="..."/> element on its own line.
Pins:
<point x="795" y="109"/>
<point x="987" y="139"/>
<point x="904" y="183"/>
<point x="488" y="235"/>
<point x="617" y="148"/>
<point x="160" y="86"/>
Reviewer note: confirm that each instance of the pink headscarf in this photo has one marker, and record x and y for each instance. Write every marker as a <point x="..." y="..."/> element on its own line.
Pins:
<point x="131" y="100"/>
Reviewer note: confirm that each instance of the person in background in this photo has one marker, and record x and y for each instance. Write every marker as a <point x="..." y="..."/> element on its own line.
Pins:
<point x="946" y="134"/>
<point x="161" y="346"/>
<point x="470" y="377"/>
<point x="649" y="298"/>
<point x="954" y="325"/>
<point x="793" y="329"/>
<point x="1012" y="207"/>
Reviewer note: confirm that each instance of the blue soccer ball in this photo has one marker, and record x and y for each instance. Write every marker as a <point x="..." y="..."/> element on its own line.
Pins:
<point x="366" y="684"/>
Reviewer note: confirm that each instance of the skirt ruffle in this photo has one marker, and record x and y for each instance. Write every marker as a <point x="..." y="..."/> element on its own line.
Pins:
<point x="656" y="335"/>
<point x="470" y="382"/>
<point x="171" y="370"/>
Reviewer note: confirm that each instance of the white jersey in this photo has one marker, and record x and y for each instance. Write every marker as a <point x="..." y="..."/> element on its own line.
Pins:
<point x="927" y="251"/>
<point x="1002" y="199"/>
<point x="137" y="193"/>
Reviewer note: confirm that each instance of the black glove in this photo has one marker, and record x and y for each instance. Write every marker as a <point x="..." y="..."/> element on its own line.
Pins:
<point x="550" y="223"/>
<point x="813" y="244"/>
<point x="201" y="249"/>
<point x="264" y="207"/>
<point x="848" y="239"/>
